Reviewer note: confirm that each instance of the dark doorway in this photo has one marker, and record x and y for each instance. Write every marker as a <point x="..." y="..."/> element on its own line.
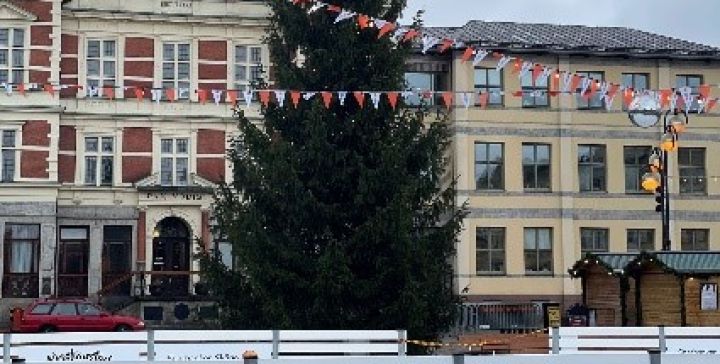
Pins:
<point x="73" y="251"/>
<point x="171" y="253"/>
<point x="116" y="260"/>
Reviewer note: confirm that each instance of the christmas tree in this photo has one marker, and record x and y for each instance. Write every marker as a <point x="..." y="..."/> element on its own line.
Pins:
<point x="340" y="217"/>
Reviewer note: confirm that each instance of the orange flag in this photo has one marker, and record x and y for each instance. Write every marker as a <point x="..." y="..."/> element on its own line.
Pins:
<point x="665" y="98"/>
<point x="21" y="89"/>
<point x="680" y="103"/>
<point x="536" y="72"/>
<point x="410" y="35"/>
<point x="363" y="21"/>
<point x="139" y="93"/>
<point x="387" y="28"/>
<point x="264" y="97"/>
<point x="109" y="92"/>
<point x="575" y="83"/>
<point x="334" y="8"/>
<point x="517" y="93"/>
<point x="483" y="99"/>
<point x="232" y="96"/>
<point x="704" y="91"/>
<point x="360" y="98"/>
<point x="447" y="99"/>
<point x="327" y="98"/>
<point x="517" y="67"/>
<point x="555" y="82"/>
<point x="295" y="97"/>
<point x="710" y="105"/>
<point x="613" y="90"/>
<point x="446" y="44"/>
<point x="170" y="94"/>
<point x="468" y="54"/>
<point x="628" y="97"/>
<point x="202" y="96"/>
<point x="49" y="89"/>
<point x="392" y="99"/>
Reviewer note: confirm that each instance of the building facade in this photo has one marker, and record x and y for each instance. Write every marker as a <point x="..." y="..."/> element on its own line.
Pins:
<point x="96" y="184"/>
<point x="550" y="178"/>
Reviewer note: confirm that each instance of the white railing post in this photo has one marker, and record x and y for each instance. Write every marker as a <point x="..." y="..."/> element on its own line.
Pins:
<point x="402" y="342"/>
<point x="662" y="344"/>
<point x="276" y="344"/>
<point x="151" y="345"/>
<point x="6" y="348"/>
<point x="555" y="331"/>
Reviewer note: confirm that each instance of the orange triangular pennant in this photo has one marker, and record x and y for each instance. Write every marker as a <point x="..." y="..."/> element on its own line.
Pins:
<point x="447" y="97"/>
<point x="360" y="98"/>
<point x="387" y="28"/>
<point x="139" y="93"/>
<point x="49" y="89"/>
<point x="410" y="35"/>
<point x="21" y="89"/>
<point x="334" y="8"/>
<point x="392" y="99"/>
<point x="665" y="98"/>
<point x="264" y="97"/>
<point x="517" y="67"/>
<point x="327" y="98"/>
<point x="363" y="21"/>
<point x="446" y="44"/>
<point x="612" y="91"/>
<point x="517" y="93"/>
<point x="575" y="83"/>
<point x="170" y="94"/>
<point x="468" y="54"/>
<point x="295" y="97"/>
<point x="555" y="87"/>
<point x="704" y="91"/>
<point x="536" y="72"/>
<point x="710" y="105"/>
<point x="628" y="97"/>
<point x="109" y="92"/>
<point x="232" y="96"/>
<point x="483" y="99"/>
<point x="202" y="96"/>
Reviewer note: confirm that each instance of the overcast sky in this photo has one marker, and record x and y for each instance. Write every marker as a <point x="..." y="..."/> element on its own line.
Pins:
<point x="693" y="20"/>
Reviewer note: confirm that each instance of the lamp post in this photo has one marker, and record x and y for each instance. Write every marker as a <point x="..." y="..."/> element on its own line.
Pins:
<point x="645" y="112"/>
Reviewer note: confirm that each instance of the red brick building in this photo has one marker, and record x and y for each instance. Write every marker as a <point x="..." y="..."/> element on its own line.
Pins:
<point x="100" y="181"/>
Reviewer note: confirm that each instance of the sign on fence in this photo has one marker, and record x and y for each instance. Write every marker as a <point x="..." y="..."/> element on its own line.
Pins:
<point x="202" y="345"/>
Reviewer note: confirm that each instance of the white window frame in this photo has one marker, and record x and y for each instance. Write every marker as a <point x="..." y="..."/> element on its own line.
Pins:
<point x="99" y="155"/>
<point x="10" y="47"/>
<point x="175" y="62"/>
<point x="175" y="156"/>
<point x="100" y="78"/>
<point x="249" y="64"/>
<point x="15" y="148"/>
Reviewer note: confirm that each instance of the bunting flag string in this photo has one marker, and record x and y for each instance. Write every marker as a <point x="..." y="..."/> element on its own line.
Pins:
<point x="667" y="99"/>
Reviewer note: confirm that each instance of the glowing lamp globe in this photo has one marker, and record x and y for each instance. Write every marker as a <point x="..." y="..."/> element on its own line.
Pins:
<point x="650" y="182"/>
<point x="678" y="124"/>
<point x="668" y="143"/>
<point x="654" y="161"/>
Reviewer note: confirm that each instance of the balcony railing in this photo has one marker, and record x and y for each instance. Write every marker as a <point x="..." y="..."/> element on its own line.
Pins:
<point x="474" y="317"/>
<point x="154" y="283"/>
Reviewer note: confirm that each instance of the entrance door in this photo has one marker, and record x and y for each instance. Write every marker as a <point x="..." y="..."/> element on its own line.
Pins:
<point x="72" y="276"/>
<point x="116" y="260"/>
<point x="171" y="253"/>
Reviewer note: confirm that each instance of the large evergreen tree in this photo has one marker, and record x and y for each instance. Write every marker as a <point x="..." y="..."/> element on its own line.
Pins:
<point x="340" y="218"/>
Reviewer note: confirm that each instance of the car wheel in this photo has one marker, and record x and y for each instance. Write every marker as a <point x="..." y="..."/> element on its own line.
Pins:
<point x="48" y="328"/>
<point x="122" y="328"/>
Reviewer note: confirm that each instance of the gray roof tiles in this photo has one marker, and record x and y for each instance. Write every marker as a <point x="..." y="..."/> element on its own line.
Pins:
<point x="568" y="37"/>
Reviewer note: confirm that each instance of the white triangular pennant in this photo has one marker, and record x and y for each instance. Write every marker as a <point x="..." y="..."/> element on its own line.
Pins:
<point x="344" y="15"/>
<point x="480" y="55"/>
<point x="567" y="78"/>
<point x="686" y="94"/>
<point x="585" y="85"/>
<point x="609" y="101"/>
<point x="93" y="91"/>
<point x="309" y="95"/>
<point x="342" y="95"/>
<point x="547" y="71"/>
<point x="375" y="97"/>
<point x="467" y="98"/>
<point x="280" y="97"/>
<point x="502" y="63"/>
<point x="8" y="88"/>
<point x="525" y="68"/>
<point x="379" y="23"/>
<point x="248" y="96"/>
<point x="317" y="6"/>
<point x="156" y="95"/>
<point x="429" y="42"/>
<point x="183" y="93"/>
<point x="217" y="96"/>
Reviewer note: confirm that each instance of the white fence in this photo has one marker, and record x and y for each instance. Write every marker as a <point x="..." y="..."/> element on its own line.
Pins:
<point x="670" y="340"/>
<point x="199" y="345"/>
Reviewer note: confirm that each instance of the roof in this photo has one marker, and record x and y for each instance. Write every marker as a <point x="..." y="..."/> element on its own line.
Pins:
<point x="558" y="38"/>
<point x="699" y="263"/>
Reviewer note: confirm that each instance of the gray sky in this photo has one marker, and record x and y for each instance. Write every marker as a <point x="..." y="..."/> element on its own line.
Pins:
<point x="693" y="20"/>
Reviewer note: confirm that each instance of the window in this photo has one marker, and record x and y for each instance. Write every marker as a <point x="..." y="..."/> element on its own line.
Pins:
<point x="535" y="93"/>
<point x="41" y="309"/>
<point x="692" y="170"/>
<point x="538" y="250"/>
<point x="489" y="166"/>
<point x="489" y="81"/>
<point x="73" y="251"/>
<point x="64" y="309"/>
<point x="636" y="165"/>
<point x="21" y="260"/>
<point x="694" y="239"/>
<point x="694" y="82"/>
<point x="176" y="69"/>
<point x="596" y="101"/>
<point x="7" y="168"/>
<point x="490" y="251"/>
<point x="593" y="240"/>
<point x="100" y="63"/>
<point x="640" y="240"/>
<point x="421" y="82"/>
<point x="636" y="81"/>
<point x="248" y="65"/>
<point x="99" y="152"/>
<point x="116" y="258"/>
<point x="12" y="55"/>
<point x="175" y="155"/>
<point x="536" y="166"/>
<point x="86" y="309"/>
<point x="591" y="168"/>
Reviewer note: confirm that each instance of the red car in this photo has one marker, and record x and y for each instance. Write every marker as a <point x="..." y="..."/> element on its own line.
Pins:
<point x="69" y="315"/>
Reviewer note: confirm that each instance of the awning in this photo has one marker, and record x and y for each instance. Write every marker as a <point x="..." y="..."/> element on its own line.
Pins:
<point x="680" y="263"/>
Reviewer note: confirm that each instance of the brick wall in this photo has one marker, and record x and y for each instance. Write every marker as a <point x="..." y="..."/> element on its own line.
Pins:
<point x="34" y="164"/>
<point x="66" y="162"/>
<point x="137" y="140"/>
<point x="136" y="168"/>
<point x="212" y="64"/>
<point x="139" y="47"/>
<point x="68" y="63"/>
<point x="212" y="169"/>
<point x="36" y="133"/>
<point x="210" y="141"/>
